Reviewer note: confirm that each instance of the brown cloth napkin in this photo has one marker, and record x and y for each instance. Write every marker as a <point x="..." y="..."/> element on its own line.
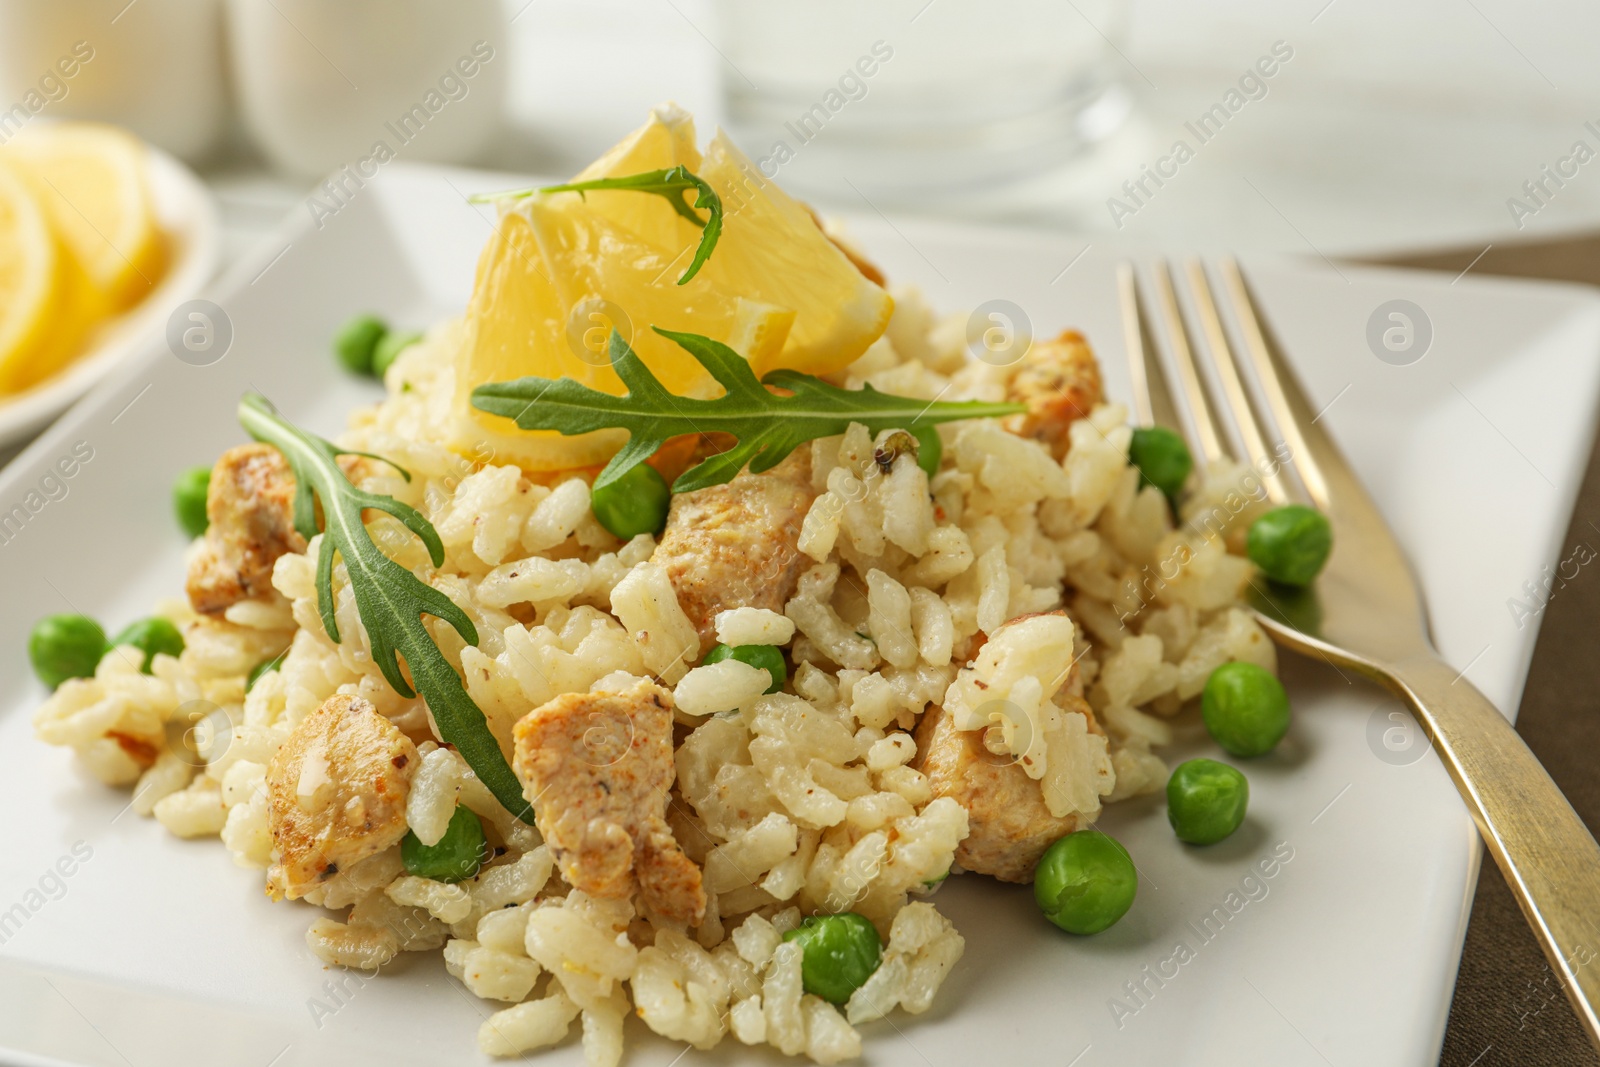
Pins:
<point x="1509" y="1007"/>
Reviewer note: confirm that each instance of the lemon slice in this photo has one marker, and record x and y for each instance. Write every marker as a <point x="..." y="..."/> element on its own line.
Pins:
<point x="513" y="327"/>
<point x="552" y="284"/>
<point x="563" y="270"/>
<point x="92" y="183"/>
<point x="31" y="287"/>
<point x="591" y="257"/>
<point x="773" y="251"/>
<point x="664" y="142"/>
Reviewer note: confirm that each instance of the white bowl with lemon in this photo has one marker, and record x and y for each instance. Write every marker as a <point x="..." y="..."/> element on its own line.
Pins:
<point x="101" y="236"/>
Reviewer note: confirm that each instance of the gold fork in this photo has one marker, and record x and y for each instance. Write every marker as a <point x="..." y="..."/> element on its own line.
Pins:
<point x="1365" y="611"/>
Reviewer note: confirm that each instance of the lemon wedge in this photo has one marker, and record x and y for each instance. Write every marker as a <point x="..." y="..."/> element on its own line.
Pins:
<point x="773" y="251"/>
<point x="565" y="269"/>
<point x="592" y="258"/>
<point x="32" y="287"/>
<point x="515" y="326"/>
<point x="553" y="283"/>
<point x="91" y="181"/>
<point x="664" y="142"/>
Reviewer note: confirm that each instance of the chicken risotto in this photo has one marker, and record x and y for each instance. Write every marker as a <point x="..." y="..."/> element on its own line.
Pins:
<point x="672" y="669"/>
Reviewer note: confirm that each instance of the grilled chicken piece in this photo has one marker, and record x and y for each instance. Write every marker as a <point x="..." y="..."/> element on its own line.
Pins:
<point x="597" y="767"/>
<point x="250" y="506"/>
<point x="733" y="545"/>
<point x="1059" y="381"/>
<point x="1009" y="825"/>
<point x="336" y="793"/>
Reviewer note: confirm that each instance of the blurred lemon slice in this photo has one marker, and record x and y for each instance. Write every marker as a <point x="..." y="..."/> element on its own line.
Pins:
<point x="32" y="287"/>
<point x="92" y="183"/>
<point x="552" y="284"/>
<point x="773" y="251"/>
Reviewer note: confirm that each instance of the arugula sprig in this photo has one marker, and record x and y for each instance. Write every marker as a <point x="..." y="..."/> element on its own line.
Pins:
<point x="389" y="598"/>
<point x="672" y="184"/>
<point x="768" y="425"/>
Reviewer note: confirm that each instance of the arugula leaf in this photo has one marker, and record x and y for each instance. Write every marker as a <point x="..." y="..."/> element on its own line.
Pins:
<point x="671" y="184"/>
<point x="768" y="425"/>
<point x="389" y="598"/>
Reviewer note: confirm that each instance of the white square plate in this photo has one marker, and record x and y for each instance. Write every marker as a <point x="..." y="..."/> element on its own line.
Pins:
<point x="156" y="950"/>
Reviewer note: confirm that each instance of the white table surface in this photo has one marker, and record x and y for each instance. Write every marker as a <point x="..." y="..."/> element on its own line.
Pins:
<point x="1396" y="126"/>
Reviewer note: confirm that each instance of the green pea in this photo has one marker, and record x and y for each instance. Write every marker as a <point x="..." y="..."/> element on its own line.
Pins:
<point x="189" y="500"/>
<point x="768" y="657"/>
<point x="1162" y="458"/>
<point x="634" y="504"/>
<point x="930" y="448"/>
<point x="840" y="953"/>
<point x="390" y="347"/>
<point x="266" y="666"/>
<point x="65" y="646"/>
<point x="1085" y="882"/>
<point x="150" y="636"/>
<point x="1245" y="709"/>
<point x="357" y="342"/>
<point x="1206" y="801"/>
<point x="1290" y="544"/>
<point x="457" y="856"/>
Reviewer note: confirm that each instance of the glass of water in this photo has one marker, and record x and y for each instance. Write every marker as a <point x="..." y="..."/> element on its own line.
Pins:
<point x="919" y="101"/>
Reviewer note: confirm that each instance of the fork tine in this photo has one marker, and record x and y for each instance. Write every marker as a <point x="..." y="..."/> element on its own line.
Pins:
<point x="1290" y="410"/>
<point x="1224" y="362"/>
<point x="1205" y="426"/>
<point x="1152" y="399"/>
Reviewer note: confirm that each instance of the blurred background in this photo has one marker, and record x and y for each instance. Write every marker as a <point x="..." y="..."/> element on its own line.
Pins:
<point x="1381" y="126"/>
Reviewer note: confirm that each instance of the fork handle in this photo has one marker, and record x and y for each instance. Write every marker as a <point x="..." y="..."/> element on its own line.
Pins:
<point x="1548" y="856"/>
